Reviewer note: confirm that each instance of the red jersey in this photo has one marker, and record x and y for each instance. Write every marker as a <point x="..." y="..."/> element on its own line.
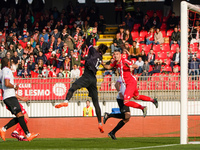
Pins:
<point x="124" y="70"/>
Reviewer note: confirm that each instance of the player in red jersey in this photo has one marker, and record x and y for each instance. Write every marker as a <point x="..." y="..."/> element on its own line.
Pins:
<point x="125" y="68"/>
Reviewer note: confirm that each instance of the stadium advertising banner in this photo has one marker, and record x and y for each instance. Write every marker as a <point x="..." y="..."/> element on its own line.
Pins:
<point x="43" y="89"/>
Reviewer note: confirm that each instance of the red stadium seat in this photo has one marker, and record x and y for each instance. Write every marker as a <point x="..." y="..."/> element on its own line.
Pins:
<point x="142" y="85"/>
<point x="174" y="46"/>
<point x="169" y="33"/>
<point x="159" y="13"/>
<point x="163" y="55"/>
<point x="164" y="19"/>
<point x="151" y="86"/>
<point x="140" y="39"/>
<point x="163" y="26"/>
<point x="156" y="48"/>
<point x="167" y="68"/>
<point x="163" y="33"/>
<point x="168" y="62"/>
<point x="198" y="54"/>
<point x="165" y="47"/>
<point x="136" y="26"/>
<point x="143" y="33"/>
<point x="150" y="13"/>
<point x="147" y="48"/>
<point x="150" y="68"/>
<point x="134" y="35"/>
<point x="48" y="55"/>
<point x="171" y="53"/>
<point x="104" y="86"/>
<point x="57" y="55"/>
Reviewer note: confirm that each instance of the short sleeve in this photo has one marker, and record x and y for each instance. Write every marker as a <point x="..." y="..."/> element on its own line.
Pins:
<point x="128" y="62"/>
<point x="119" y="79"/>
<point x="113" y="64"/>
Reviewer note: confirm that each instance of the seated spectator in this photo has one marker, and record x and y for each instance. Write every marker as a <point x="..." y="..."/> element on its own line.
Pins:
<point x="172" y="22"/>
<point x="41" y="56"/>
<point x="176" y="58"/>
<point x="145" y="69"/>
<point x="15" y="41"/>
<point x="52" y="72"/>
<point x="102" y="24"/>
<point x="43" y="45"/>
<point x="13" y="67"/>
<point x="4" y="44"/>
<point x="117" y="42"/>
<point x="2" y="36"/>
<point x="70" y="42"/>
<point x="67" y="73"/>
<point x="191" y="55"/>
<point x="175" y="38"/>
<point x="64" y="35"/>
<point x="154" y="21"/>
<point x="79" y="22"/>
<point x="58" y="45"/>
<point x="79" y="44"/>
<point x="76" y="59"/>
<point x="31" y="65"/>
<point x="66" y="49"/>
<point x="121" y="33"/>
<point x="85" y="27"/>
<point x="158" y="37"/>
<point x="151" y="57"/>
<point x="45" y="71"/>
<point x="45" y="35"/>
<point x="66" y="64"/>
<point x="143" y="55"/>
<point x="28" y="49"/>
<point x="145" y="23"/>
<point x="59" y="26"/>
<point x="19" y="70"/>
<point x="77" y="33"/>
<point x="129" y="21"/>
<point x="52" y="61"/>
<point x="61" y="59"/>
<point x="15" y="58"/>
<point x="60" y="74"/>
<point x="23" y="41"/>
<point x="55" y="33"/>
<point x="2" y="52"/>
<point x="128" y="37"/>
<point x="157" y="67"/>
<point x="75" y="72"/>
<point x="140" y="64"/>
<point x="25" y="72"/>
<point x="8" y="55"/>
<point x="150" y="37"/>
<point x="112" y="71"/>
<point x="9" y="38"/>
<point x="32" y="42"/>
<point x="11" y="49"/>
<point x="25" y="58"/>
<point x="195" y="36"/>
<point x="194" y="66"/>
<point x="20" y="51"/>
<point x="134" y="50"/>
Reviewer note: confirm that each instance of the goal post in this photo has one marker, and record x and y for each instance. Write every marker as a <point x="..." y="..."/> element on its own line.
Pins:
<point x="185" y="7"/>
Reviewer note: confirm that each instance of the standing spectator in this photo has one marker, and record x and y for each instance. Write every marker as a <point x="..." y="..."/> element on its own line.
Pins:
<point x="15" y="58"/>
<point x="20" y="51"/>
<point x="79" y="22"/>
<point x="2" y="36"/>
<point x="134" y="50"/>
<point x="59" y="26"/>
<point x="52" y="59"/>
<point x="79" y="44"/>
<point x="85" y="27"/>
<point x="11" y="49"/>
<point x="8" y="55"/>
<point x="117" y="42"/>
<point x="176" y="58"/>
<point x="154" y="21"/>
<point x="70" y="42"/>
<point x="4" y="44"/>
<point x="128" y="37"/>
<point x="150" y="37"/>
<point x="58" y="46"/>
<point x="140" y="64"/>
<point x="31" y="65"/>
<point x="9" y="37"/>
<point x="43" y="45"/>
<point x="175" y="38"/>
<point x="88" y="110"/>
<point x="118" y="10"/>
<point x="157" y="67"/>
<point x="151" y="57"/>
<point x="172" y="22"/>
<point x="55" y="33"/>
<point x="15" y="41"/>
<point x="45" y="35"/>
<point x="129" y="21"/>
<point x="145" y="69"/>
<point x="102" y="24"/>
<point x="24" y="41"/>
<point x="76" y="59"/>
<point x="64" y="35"/>
<point x="145" y="23"/>
<point x="60" y="74"/>
<point x="194" y="66"/>
<point x="25" y="72"/>
<point x="32" y="42"/>
<point x="191" y="55"/>
<point x="75" y="72"/>
<point x="158" y="37"/>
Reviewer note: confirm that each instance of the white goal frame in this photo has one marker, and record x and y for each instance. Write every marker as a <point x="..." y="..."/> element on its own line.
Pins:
<point x="184" y="70"/>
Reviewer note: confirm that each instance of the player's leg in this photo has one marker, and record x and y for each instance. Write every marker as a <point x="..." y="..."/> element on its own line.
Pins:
<point x="21" y="132"/>
<point x="145" y="98"/>
<point x="94" y="95"/>
<point x="81" y="82"/>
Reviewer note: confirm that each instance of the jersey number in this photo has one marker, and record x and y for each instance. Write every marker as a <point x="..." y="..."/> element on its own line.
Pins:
<point x="98" y="63"/>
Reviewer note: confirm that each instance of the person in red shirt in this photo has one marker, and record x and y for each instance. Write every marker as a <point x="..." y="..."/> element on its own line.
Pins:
<point x="126" y="67"/>
<point x="150" y="37"/>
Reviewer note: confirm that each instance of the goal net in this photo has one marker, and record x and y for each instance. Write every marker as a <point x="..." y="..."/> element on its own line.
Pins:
<point x="190" y="55"/>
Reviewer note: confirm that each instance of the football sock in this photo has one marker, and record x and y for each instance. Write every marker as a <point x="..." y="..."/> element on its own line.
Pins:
<point x="119" y="116"/>
<point x="133" y="104"/>
<point x="11" y="123"/>
<point x="145" y="98"/>
<point x="21" y="130"/>
<point x="97" y="108"/>
<point x="71" y="91"/>
<point x="119" y="126"/>
<point x="23" y="124"/>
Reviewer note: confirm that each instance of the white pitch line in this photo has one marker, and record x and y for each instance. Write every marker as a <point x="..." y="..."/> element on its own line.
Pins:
<point x="150" y="147"/>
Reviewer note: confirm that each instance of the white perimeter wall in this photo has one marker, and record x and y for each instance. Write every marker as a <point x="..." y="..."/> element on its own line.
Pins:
<point x="47" y="109"/>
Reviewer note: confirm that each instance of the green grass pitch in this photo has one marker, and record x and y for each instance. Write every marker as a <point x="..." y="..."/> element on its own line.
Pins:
<point x="157" y="143"/>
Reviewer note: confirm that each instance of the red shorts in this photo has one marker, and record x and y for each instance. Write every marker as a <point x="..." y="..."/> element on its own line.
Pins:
<point x="131" y="90"/>
<point x="22" y="108"/>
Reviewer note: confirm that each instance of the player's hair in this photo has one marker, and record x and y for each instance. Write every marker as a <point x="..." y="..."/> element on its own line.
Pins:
<point x="4" y="62"/>
<point x="102" y="48"/>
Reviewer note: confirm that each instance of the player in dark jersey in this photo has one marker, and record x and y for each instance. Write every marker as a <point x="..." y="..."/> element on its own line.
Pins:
<point x="88" y="79"/>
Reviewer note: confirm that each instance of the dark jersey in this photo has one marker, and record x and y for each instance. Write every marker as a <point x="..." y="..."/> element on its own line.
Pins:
<point x="93" y="60"/>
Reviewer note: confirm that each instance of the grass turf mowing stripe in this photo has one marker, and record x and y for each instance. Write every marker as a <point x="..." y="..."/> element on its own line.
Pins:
<point x="150" y="147"/>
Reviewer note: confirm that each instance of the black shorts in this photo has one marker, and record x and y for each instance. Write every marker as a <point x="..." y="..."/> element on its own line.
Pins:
<point x="13" y="105"/>
<point x="122" y="107"/>
<point x="89" y="82"/>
